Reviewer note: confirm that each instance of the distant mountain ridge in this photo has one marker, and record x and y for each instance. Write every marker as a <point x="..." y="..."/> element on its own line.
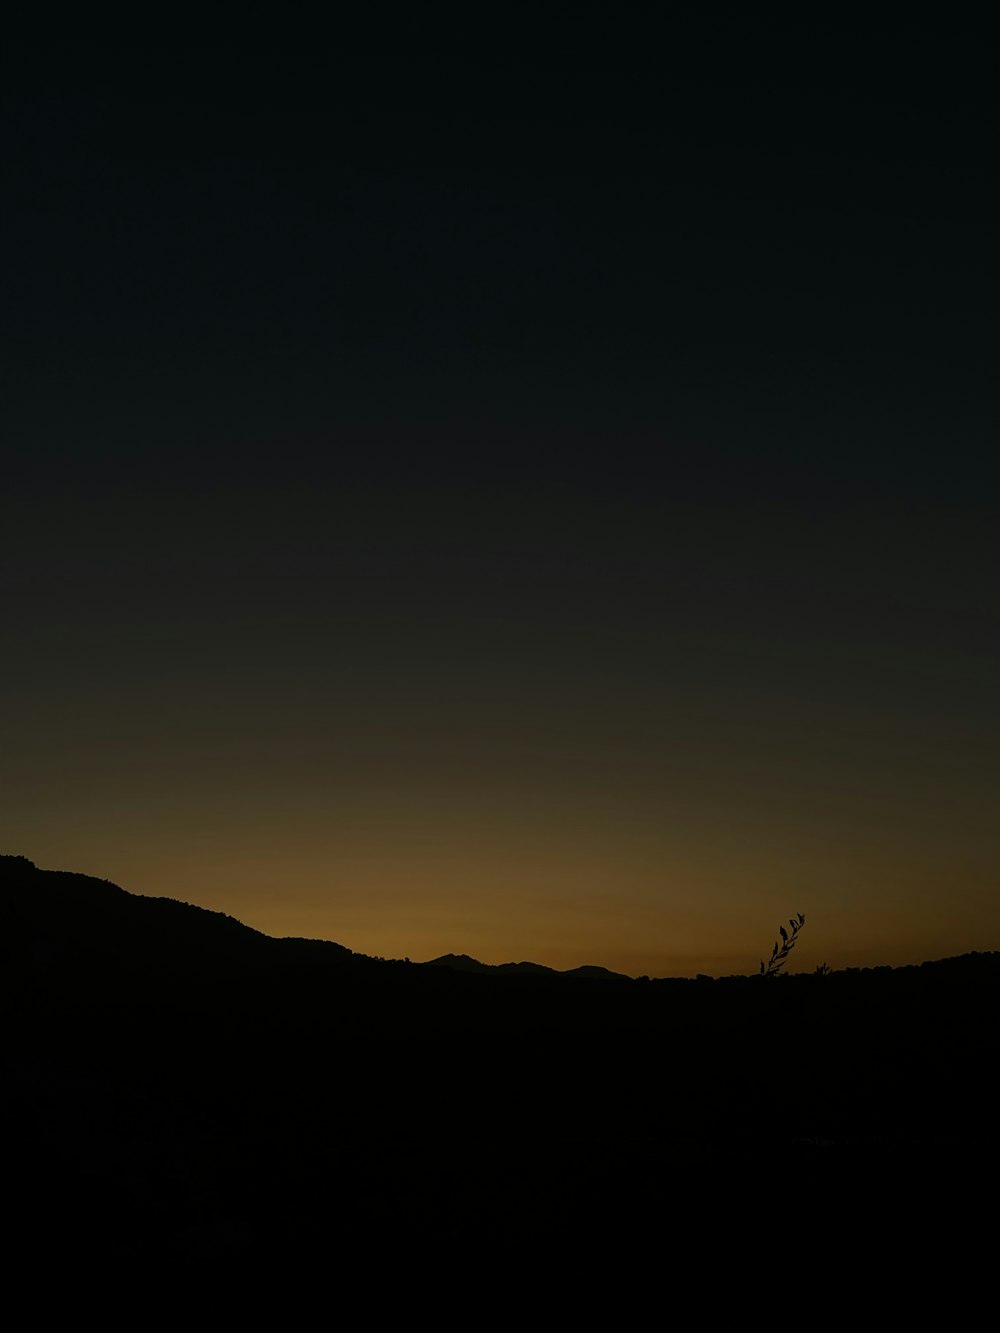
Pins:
<point x="57" y="918"/>
<point x="55" y="915"/>
<point x="461" y="962"/>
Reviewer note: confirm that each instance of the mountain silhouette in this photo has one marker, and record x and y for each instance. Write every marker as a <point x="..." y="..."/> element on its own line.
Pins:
<point x="58" y="919"/>
<point x="180" y="1084"/>
<point x="54" y="916"/>
<point x="461" y="962"/>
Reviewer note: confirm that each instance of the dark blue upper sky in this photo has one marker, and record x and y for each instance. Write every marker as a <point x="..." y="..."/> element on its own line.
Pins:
<point x="520" y="340"/>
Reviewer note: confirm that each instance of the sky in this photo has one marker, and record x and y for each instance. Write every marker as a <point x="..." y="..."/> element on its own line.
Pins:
<point x="525" y="491"/>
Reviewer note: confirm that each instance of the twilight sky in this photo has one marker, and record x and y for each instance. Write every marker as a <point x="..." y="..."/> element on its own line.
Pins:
<point x="524" y="493"/>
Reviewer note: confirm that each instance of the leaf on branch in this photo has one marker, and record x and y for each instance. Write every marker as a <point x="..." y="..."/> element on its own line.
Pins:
<point x="782" y="947"/>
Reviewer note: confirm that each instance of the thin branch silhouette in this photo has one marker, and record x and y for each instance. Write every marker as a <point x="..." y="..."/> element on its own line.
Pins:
<point x="783" y="947"/>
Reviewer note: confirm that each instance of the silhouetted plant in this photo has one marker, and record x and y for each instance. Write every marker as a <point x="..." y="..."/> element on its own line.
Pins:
<point x="783" y="947"/>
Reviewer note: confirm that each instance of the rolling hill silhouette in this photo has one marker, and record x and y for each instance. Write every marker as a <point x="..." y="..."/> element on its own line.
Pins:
<point x="180" y="1082"/>
<point x="461" y="962"/>
<point x="56" y="917"/>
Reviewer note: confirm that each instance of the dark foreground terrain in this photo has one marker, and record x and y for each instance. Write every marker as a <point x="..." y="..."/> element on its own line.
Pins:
<point x="179" y="1085"/>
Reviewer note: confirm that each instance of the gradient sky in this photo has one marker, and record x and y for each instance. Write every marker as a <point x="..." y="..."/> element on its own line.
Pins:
<point x="523" y="494"/>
